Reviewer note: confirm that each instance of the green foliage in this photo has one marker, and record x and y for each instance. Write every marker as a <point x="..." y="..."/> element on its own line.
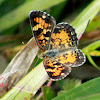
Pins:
<point x="90" y="97"/>
<point x="91" y="47"/>
<point x="95" y="22"/>
<point x="95" y="53"/>
<point x="68" y="84"/>
<point x="48" y="93"/>
<point x="57" y="10"/>
<point x="22" y="12"/>
<point x="89" y="12"/>
<point x="28" y="85"/>
<point x="90" y="50"/>
<point x="1" y="1"/>
<point x="87" y="89"/>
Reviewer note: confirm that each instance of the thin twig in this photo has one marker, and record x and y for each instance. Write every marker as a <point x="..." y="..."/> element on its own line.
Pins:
<point x="48" y="85"/>
<point x="39" y="96"/>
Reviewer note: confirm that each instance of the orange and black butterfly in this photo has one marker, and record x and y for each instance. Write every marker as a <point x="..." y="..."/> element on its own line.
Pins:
<point x="58" y="44"/>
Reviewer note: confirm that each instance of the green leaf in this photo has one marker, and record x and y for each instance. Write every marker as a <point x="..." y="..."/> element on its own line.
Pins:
<point x="89" y="12"/>
<point x="48" y="93"/>
<point x="57" y="10"/>
<point x="95" y="53"/>
<point x="28" y="85"/>
<point x="86" y="89"/>
<point x="95" y="24"/>
<point x="91" y="61"/>
<point x="90" y="97"/>
<point x="91" y="47"/>
<point x="1" y="1"/>
<point x="22" y="12"/>
<point x="69" y="84"/>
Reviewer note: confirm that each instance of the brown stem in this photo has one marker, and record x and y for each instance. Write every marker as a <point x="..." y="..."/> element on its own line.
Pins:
<point x="48" y="85"/>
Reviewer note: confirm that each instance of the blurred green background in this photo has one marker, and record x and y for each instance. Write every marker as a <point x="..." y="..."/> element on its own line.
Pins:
<point x="15" y="29"/>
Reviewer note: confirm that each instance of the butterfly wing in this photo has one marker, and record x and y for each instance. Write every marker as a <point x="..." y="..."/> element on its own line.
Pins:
<point x="72" y="58"/>
<point x="60" y="66"/>
<point x="64" y="36"/>
<point x="65" y="41"/>
<point x="42" y="25"/>
<point x="55" y="70"/>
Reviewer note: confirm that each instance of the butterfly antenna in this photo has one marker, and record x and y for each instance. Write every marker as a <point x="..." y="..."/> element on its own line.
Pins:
<point x="26" y="45"/>
<point x="84" y="29"/>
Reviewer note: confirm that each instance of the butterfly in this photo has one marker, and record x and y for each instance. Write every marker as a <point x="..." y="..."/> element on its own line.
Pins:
<point x="58" y="44"/>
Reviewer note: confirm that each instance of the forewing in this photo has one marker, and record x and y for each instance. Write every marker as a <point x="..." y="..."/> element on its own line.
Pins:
<point x="55" y="70"/>
<point x="42" y="25"/>
<point x="72" y="58"/>
<point x="64" y="36"/>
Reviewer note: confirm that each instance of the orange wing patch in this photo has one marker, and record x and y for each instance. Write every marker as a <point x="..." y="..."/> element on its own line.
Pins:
<point x="55" y="70"/>
<point x="42" y="26"/>
<point x="64" y="36"/>
<point x="59" y="39"/>
<point x="41" y="23"/>
<point x="71" y="58"/>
